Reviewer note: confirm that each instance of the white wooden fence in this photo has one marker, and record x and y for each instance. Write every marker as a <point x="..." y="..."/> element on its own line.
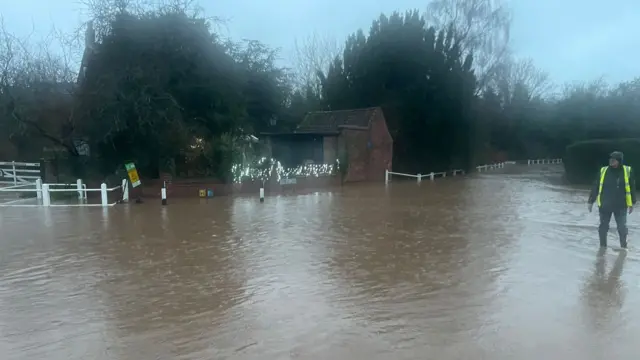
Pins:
<point x="544" y="161"/>
<point x="43" y="193"/>
<point x="481" y="168"/>
<point x="432" y="175"/>
<point x="15" y="173"/>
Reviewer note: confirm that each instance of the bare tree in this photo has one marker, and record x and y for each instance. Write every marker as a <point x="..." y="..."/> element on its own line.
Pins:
<point x="481" y="27"/>
<point x="312" y="55"/>
<point x="35" y="90"/>
<point x="514" y="74"/>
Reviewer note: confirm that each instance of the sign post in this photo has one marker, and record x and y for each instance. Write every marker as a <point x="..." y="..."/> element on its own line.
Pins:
<point x="133" y="174"/>
<point x="135" y="181"/>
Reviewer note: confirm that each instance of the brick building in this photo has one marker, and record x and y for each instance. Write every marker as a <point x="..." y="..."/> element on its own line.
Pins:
<point x="359" y="137"/>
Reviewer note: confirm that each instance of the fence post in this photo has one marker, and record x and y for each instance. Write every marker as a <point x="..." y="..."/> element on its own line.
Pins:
<point x="432" y="176"/>
<point x="386" y="176"/>
<point x="46" y="195"/>
<point x="103" y="194"/>
<point x="39" y="188"/>
<point x="262" y="194"/>
<point x="125" y="190"/>
<point x="15" y="177"/>
<point x="79" y="188"/>
<point x="163" y="193"/>
<point x="419" y="178"/>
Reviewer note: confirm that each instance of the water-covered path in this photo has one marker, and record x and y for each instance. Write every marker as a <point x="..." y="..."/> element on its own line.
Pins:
<point x="495" y="266"/>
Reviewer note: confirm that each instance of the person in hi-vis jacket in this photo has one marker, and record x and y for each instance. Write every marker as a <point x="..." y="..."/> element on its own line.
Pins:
<point x="614" y="192"/>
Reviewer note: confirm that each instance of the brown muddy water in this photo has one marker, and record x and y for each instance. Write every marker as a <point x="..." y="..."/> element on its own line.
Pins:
<point x="495" y="266"/>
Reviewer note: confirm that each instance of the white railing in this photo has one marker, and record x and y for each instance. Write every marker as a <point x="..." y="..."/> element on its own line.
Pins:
<point x="12" y="172"/>
<point x="488" y="167"/>
<point x="544" y="161"/>
<point x="480" y="168"/>
<point x="43" y="192"/>
<point x="432" y="175"/>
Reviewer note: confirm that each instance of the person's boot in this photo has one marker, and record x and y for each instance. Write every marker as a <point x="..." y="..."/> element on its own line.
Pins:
<point x="623" y="241"/>
<point x="603" y="239"/>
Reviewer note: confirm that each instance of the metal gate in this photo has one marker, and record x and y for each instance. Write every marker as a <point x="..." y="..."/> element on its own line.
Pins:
<point x="15" y="173"/>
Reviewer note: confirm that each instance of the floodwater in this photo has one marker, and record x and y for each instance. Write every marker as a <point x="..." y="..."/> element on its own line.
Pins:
<point x="495" y="266"/>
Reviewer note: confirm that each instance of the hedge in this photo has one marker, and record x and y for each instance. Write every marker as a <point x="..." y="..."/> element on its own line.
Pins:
<point x="583" y="159"/>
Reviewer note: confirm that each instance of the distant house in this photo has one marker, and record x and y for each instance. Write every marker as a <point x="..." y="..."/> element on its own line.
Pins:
<point x="358" y="138"/>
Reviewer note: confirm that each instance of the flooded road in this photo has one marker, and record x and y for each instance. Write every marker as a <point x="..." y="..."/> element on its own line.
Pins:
<point x="496" y="266"/>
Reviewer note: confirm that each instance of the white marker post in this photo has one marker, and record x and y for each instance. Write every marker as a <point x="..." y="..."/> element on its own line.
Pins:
<point x="79" y="188"/>
<point x="46" y="195"/>
<point x="104" y="195"/>
<point x="39" y="188"/>
<point x="163" y="193"/>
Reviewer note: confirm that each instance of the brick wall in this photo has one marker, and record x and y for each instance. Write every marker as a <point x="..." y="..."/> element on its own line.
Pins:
<point x="355" y="143"/>
<point x="381" y="153"/>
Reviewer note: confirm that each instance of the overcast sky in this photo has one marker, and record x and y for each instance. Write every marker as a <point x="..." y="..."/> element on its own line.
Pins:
<point x="573" y="40"/>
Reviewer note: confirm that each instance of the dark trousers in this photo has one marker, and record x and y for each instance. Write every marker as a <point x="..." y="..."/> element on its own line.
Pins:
<point x="621" y="221"/>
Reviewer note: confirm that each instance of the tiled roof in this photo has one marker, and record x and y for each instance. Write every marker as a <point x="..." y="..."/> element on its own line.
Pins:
<point x="330" y="121"/>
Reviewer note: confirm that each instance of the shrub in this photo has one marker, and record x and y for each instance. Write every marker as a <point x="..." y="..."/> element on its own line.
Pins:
<point x="583" y="159"/>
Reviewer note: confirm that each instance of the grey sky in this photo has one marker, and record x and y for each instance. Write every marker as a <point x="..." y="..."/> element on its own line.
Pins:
<point x="573" y="40"/>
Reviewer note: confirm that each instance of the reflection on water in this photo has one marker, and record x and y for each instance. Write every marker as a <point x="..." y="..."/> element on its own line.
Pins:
<point x="496" y="266"/>
<point x="604" y="292"/>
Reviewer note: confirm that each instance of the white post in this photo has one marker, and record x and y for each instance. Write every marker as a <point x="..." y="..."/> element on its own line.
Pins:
<point x="432" y="176"/>
<point x="39" y="188"/>
<point x="15" y="177"/>
<point x="103" y="194"/>
<point x="261" y="194"/>
<point x="163" y="193"/>
<point x="125" y="190"/>
<point x="419" y="178"/>
<point x="79" y="188"/>
<point x="386" y="177"/>
<point x="454" y="172"/>
<point x="46" y="195"/>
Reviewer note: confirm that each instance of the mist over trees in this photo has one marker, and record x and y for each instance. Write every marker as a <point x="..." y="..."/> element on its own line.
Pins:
<point x="162" y="87"/>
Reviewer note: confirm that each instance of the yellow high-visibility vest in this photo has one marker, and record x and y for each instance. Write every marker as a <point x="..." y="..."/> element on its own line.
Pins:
<point x="627" y="188"/>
